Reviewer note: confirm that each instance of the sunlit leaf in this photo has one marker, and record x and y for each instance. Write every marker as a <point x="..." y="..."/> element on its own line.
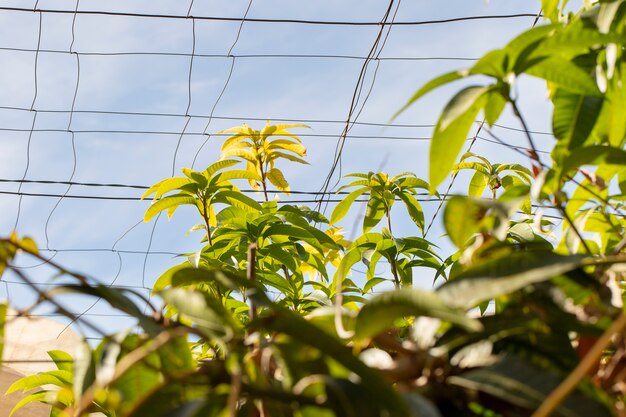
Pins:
<point x="341" y="209"/>
<point x="451" y="132"/>
<point x="565" y="75"/>
<point x="166" y="203"/>
<point x="276" y="177"/>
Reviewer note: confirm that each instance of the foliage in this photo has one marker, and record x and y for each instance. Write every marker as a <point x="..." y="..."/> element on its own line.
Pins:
<point x="265" y="318"/>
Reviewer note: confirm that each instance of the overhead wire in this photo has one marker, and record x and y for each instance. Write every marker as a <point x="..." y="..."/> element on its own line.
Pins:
<point x="69" y="128"/>
<point x="249" y="118"/>
<point x="241" y="56"/>
<point x="469" y="148"/>
<point x="268" y="20"/>
<point x="231" y="70"/>
<point x="354" y="102"/>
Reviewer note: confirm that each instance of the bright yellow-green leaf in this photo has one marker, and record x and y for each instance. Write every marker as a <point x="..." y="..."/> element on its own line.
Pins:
<point x="239" y="153"/>
<point x="276" y="177"/>
<point x="477" y="184"/>
<point x="218" y="166"/>
<point x="171" y="184"/>
<point x="550" y="9"/>
<point x="342" y="208"/>
<point x="287" y="145"/>
<point x="167" y="203"/>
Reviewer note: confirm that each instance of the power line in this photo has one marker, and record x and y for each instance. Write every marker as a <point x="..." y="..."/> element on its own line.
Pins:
<point x="261" y="119"/>
<point x="116" y="198"/>
<point x="174" y="133"/>
<point x="242" y="56"/>
<point x="268" y="20"/>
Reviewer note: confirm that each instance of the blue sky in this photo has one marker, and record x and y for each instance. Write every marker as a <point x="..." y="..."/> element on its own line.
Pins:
<point x="274" y="88"/>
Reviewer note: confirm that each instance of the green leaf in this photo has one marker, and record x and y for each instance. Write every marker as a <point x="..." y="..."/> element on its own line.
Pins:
<point x="524" y="45"/>
<point x="492" y="64"/>
<point x="167" y="203"/>
<point x="57" y="377"/>
<point x="219" y="165"/>
<point x="170" y="184"/>
<point x="594" y="155"/>
<point x="41" y="396"/>
<point x="431" y="85"/>
<point x="550" y="9"/>
<point x="494" y="107"/>
<point x="414" y="208"/>
<point x="515" y="383"/>
<point x="273" y="155"/>
<point x="451" y="132"/>
<point x="342" y="208"/>
<point x="379" y="313"/>
<point x="188" y="275"/>
<point x="236" y="199"/>
<point x="374" y="213"/>
<point x="237" y="174"/>
<point x="461" y="219"/>
<point x="206" y="312"/>
<point x="477" y="184"/>
<point x="504" y="275"/>
<point x="299" y="329"/>
<point x="574" y="117"/>
<point x="566" y="75"/>
<point x="371" y="283"/>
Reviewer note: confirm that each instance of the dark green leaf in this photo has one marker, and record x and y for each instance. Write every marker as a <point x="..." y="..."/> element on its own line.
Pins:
<point x="504" y="275"/>
<point x="516" y="383"/>
<point x="381" y="311"/>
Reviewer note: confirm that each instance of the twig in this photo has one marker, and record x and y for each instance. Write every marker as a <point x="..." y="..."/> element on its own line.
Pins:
<point x="60" y="308"/>
<point x="128" y="362"/>
<point x="251" y="275"/>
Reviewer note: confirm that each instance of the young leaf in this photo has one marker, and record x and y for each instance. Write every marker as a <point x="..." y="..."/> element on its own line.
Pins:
<point x="167" y="203"/>
<point x="277" y="178"/>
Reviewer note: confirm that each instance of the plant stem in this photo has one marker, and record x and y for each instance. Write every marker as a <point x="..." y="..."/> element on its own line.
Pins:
<point x="251" y="275"/>
<point x="588" y="362"/>
<point x="205" y="216"/>
<point x="567" y="217"/>
<point x="533" y="154"/>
